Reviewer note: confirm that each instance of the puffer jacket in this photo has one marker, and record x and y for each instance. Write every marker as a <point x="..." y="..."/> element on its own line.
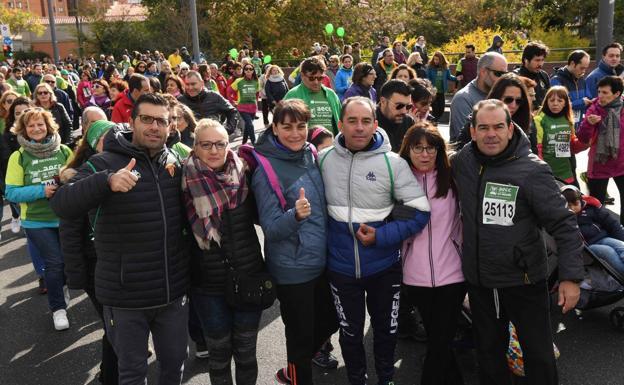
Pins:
<point x="210" y="104"/>
<point x="365" y="187"/>
<point x="513" y="253"/>
<point x="295" y="251"/>
<point x="601" y="71"/>
<point x="432" y="258"/>
<point x="596" y="223"/>
<point x="141" y="246"/>
<point x="576" y="89"/>
<point x="239" y="243"/>
<point x="343" y="81"/>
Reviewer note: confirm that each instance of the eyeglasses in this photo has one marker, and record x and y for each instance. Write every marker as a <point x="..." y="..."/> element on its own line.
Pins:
<point x="43" y="93"/>
<point x="400" y="106"/>
<point x="208" y="145"/>
<point x="429" y="149"/>
<point x="315" y="78"/>
<point x="508" y="100"/>
<point x="496" y="72"/>
<point x="147" y="119"/>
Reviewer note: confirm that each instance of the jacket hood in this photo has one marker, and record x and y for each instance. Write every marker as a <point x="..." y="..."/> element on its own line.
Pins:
<point x="518" y="147"/>
<point x="564" y="73"/>
<point x="497" y="39"/>
<point x="383" y="65"/>
<point x="380" y="144"/>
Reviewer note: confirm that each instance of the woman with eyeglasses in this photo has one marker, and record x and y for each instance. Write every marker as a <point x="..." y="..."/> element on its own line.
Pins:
<point x="32" y="178"/>
<point x="293" y="220"/>
<point x="221" y="211"/>
<point x="140" y="67"/>
<point x="432" y="270"/>
<point x="363" y="79"/>
<point x="44" y="97"/>
<point x="101" y="96"/>
<point x="247" y="88"/>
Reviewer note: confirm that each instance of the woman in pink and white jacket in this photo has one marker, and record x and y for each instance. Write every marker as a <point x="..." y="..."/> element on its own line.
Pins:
<point x="432" y="271"/>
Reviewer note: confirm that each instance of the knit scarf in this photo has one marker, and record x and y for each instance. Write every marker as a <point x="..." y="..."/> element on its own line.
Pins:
<point x="45" y="149"/>
<point x="276" y="78"/>
<point x="209" y="193"/>
<point x="608" y="142"/>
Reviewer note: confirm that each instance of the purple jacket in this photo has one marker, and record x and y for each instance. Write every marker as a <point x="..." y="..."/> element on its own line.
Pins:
<point x="431" y="258"/>
<point x="588" y="133"/>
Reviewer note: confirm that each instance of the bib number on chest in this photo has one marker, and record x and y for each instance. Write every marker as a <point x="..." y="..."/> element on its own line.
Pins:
<point x="562" y="145"/>
<point x="499" y="204"/>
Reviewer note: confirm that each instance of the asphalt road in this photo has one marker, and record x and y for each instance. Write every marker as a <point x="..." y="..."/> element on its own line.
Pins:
<point x="33" y="353"/>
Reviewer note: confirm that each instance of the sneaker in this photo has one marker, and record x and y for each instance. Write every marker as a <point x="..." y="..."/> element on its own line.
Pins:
<point x="281" y="376"/>
<point x="324" y="359"/>
<point x="16" y="224"/>
<point x="42" y="286"/>
<point x="66" y="295"/>
<point x="60" y="320"/>
<point x="201" y="351"/>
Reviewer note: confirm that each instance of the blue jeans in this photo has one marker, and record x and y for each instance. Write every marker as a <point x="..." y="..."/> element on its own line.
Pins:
<point x="37" y="259"/>
<point x="48" y="243"/>
<point x="228" y="333"/>
<point x="611" y="250"/>
<point x="249" y="127"/>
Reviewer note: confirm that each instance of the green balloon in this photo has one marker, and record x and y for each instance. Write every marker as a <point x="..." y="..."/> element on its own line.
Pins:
<point x="340" y="32"/>
<point x="267" y="59"/>
<point x="233" y="53"/>
<point x="329" y="28"/>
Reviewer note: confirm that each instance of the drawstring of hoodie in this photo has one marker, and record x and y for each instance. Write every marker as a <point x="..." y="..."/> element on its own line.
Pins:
<point x="496" y="303"/>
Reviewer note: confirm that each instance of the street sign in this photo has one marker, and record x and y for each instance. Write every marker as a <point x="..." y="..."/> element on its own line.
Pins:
<point x="5" y="30"/>
<point x="8" y="41"/>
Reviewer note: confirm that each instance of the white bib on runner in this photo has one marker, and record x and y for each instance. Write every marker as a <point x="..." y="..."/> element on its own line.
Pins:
<point x="562" y="145"/>
<point x="499" y="204"/>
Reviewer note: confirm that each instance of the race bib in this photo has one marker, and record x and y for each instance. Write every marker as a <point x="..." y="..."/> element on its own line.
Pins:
<point x="562" y="145"/>
<point x="499" y="204"/>
<point x="50" y="182"/>
<point x="577" y="116"/>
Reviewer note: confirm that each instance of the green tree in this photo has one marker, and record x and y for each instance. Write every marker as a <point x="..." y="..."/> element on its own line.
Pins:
<point x="20" y="21"/>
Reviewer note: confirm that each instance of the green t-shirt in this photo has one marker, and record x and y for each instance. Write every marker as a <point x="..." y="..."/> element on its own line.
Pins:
<point x="20" y="86"/>
<point x="556" y="134"/>
<point x="320" y="110"/>
<point x="247" y="90"/>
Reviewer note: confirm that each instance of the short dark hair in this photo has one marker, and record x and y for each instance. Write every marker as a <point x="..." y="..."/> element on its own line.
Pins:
<point x="533" y="49"/>
<point x="360" y="71"/>
<point x="362" y="100"/>
<point x="612" y="45"/>
<point x="470" y="46"/>
<point x="576" y="56"/>
<point x="154" y="99"/>
<point x="489" y="104"/>
<point x="571" y="195"/>
<point x="155" y="84"/>
<point x="295" y="109"/>
<point x="614" y="82"/>
<point x="312" y="65"/>
<point x="395" y="86"/>
<point x="422" y="89"/>
<point x="136" y="82"/>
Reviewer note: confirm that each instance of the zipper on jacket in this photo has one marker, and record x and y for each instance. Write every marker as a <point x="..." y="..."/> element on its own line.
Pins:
<point x="477" y="224"/>
<point x="164" y="218"/>
<point x="429" y="236"/>
<point x="356" y="254"/>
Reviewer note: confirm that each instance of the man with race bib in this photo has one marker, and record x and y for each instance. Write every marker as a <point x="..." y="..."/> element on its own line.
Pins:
<point x="506" y="195"/>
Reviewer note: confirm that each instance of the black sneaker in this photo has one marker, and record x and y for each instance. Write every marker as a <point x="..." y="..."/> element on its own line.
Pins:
<point x="201" y="351"/>
<point x="42" y="286"/>
<point x="281" y="376"/>
<point x="324" y="359"/>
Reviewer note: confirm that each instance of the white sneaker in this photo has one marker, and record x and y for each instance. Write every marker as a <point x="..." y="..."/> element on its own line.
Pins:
<point x="16" y="224"/>
<point x="66" y="295"/>
<point x="60" y="320"/>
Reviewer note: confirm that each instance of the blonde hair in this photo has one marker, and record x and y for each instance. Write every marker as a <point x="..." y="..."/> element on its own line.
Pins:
<point x="19" y="128"/>
<point x="205" y="124"/>
<point x="49" y="89"/>
<point x="271" y="67"/>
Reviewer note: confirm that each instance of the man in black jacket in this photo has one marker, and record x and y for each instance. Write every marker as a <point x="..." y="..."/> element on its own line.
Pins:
<point x="395" y="102"/>
<point x="132" y="194"/>
<point x="208" y="104"/>
<point x="533" y="57"/>
<point x="506" y="195"/>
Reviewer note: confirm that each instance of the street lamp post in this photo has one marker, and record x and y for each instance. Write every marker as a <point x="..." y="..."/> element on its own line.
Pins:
<point x="55" y="59"/>
<point x="194" y="30"/>
<point x="606" y="11"/>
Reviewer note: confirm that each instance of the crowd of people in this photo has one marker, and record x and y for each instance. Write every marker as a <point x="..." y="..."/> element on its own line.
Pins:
<point x="125" y="181"/>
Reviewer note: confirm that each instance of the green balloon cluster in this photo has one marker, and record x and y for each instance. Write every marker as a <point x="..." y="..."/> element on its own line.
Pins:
<point x="340" y="32"/>
<point x="329" y="28"/>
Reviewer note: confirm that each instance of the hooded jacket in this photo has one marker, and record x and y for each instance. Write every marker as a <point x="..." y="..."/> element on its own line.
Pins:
<point x="295" y="251"/>
<point x="365" y="187"/>
<point x="122" y="110"/>
<point x="432" y="258"/>
<point x="343" y="81"/>
<point x="395" y="132"/>
<point x="141" y="246"/>
<point x="576" y="89"/>
<point x="382" y="75"/>
<point x="359" y="90"/>
<point x="275" y="90"/>
<point x="596" y="223"/>
<point x="210" y="104"/>
<point x="494" y="47"/>
<point x="503" y="244"/>
<point x="603" y="70"/>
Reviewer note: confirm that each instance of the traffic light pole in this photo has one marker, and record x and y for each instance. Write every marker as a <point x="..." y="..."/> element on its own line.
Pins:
<point x="55" y="59"/>
<point x="194" y="31"/>
<point x="606" y="10"/>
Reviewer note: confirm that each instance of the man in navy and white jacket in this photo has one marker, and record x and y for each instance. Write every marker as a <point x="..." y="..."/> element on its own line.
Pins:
<point x="374" y="202"/>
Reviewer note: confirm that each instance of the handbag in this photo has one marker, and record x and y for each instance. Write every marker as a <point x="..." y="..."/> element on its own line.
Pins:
<point x="249" y="291"/>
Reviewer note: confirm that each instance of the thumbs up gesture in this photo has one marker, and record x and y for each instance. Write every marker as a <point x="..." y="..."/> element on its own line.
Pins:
<point x="123" y="180"/>
<point x="302" y="206"/>
<point x="366" y="234"/>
